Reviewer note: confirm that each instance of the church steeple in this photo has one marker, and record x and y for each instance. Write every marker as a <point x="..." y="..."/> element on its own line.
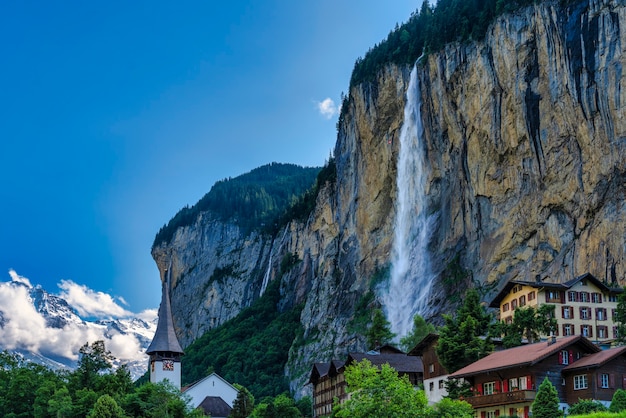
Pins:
<point x="165" y="350"/>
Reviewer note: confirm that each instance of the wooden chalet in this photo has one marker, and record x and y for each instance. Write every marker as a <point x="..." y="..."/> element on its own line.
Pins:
<point x="435" y="374"/>
<point x="329" y="383"/>
<point x="596" y="376"/>
<point x="505" y="382"/>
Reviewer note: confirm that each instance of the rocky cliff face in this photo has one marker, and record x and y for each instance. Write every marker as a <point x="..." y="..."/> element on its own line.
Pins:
<point x="525" y="138"/>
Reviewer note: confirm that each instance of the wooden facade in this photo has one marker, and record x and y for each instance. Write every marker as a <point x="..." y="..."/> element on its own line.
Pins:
<point x="596" y="377"/>
<point x="435" y="374"/>
<point x="329" y="383"/>
<point x="505" y="382"/>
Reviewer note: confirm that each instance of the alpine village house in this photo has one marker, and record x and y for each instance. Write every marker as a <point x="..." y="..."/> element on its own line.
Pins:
<point x="576" y="358"/>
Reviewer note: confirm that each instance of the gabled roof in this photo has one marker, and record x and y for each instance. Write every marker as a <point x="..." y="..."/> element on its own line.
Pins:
<point x="526" y="355"/>
<point x="320" y="370"/>
<point x="401" y="362"/>
<point x="426" y="342"/>
<point x="197" y="382"/>
<point x="596" y="359"/>
<point x="215" y="406"/>
<point x="495" y="302"/>
<point x="165" y="337"/>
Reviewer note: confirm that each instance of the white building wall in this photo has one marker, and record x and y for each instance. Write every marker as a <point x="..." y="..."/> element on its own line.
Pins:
<point x="212" y="385"/>
<point x="158" y="374"/>
<point x="435" y="389"/>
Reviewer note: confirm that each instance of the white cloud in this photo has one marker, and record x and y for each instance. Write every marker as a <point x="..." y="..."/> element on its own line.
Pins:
<point x="17" y="278"/>
<point x="327" y="108"/>
<point x="91" y="303"/>
<point x="25" y="328"/>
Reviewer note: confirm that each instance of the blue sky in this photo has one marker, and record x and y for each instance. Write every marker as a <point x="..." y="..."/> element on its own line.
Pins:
<point x="114" y="115"/>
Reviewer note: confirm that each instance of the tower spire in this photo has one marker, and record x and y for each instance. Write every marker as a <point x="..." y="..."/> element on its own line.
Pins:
<point x="165" y="350"/>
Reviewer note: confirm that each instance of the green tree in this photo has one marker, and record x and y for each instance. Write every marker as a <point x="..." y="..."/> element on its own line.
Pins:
<point x="420" y="330"/>
<point x="282" y="406"/>
<point x="458" y="388"/>
<point x="155" y="400"/>
<point x="464" y="338"/>
<point x="60" y="404"/>
<point x="449" y="408"/>
<point x="586" y="407"/>
<point x="93" y="360"/>
<point x="106" y="407"/>
<point x="379" y="333"/>
<point x="618" y="403"/>
<point x="243" y="404"/>
<point x="528" y="323"/>
<point x="305" y="406"/>
<point x="379" y="393"/>
<point x="546" y="403"/>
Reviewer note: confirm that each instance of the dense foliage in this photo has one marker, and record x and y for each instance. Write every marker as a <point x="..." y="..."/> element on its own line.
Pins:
<point x="462" y="338"/>
<point x="586" y="406"/>
<point x="618" y="403"/>
<point x="529" y="323"/>
<point x="379" y="333"/>
<point x="250" y="349"/>
<point x="379" y="393"/>
<point x="430" y="29"/>
<point x="253" y="199"/>
<point x="92" y="390"/>
<point x="421" y="329"/>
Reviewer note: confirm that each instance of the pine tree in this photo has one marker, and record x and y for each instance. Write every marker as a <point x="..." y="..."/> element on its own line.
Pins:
<point x="420" y="330"/>
<point x="380" y="332"/>
<point x="546" y="404"/>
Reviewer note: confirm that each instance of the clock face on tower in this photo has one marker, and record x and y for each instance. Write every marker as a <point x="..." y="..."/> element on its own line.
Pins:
<point x="168" y="365"/>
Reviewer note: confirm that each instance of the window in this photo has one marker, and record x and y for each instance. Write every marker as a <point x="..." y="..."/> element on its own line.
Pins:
<point x="488" y="388"/>
<point x="571" y="296"/>
<point x="568" y="329"/>
<point x="522" y="300"/>
<point x="584" y="282"/>
<point x="441" y="384"/>
<point x="524" y="382"/>
<point x="532" y="295"/>
<point x="580" y="382"/>
<point x="615" y="333"/>
<point x="585" y="312"/>
<point x="612" y="297"/>
<point x="514" y="304"/>
<point x="564" y="357"/>
<point x="613" y="314"/>
<point x="505" y="307"/>
<point x="490" y="414"/>
<point x="567" y="312"/>
<point x="513" y="384"/>
<point x="553" y="296"/>
<point x="596" y="297"/>
<point x="431" y="386"/>
<point x="431" y="368"/>
<point x="586" y="330"/>
<point x="604" y="380"/>
<point x="584" y="296"/>
<point x="603" y="331"/>
<point x="601" y="314"/>
<point x="517" y="288"/>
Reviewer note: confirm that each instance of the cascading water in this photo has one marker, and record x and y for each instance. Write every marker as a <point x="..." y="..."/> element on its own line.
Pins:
<point x="411" y="276"/>
<point x="268" y="272"/>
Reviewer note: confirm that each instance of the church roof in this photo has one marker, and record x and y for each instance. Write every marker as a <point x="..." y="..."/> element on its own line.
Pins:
<point x="165" y="337"/>
<point x="215" y="407"/>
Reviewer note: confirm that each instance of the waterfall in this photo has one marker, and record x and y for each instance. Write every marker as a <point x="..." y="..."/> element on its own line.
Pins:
<point x="411" y="276"/>
<point x="268" y="272"/>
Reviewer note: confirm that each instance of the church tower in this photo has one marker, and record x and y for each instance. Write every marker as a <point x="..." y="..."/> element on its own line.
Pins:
<point x="165" y="351"/>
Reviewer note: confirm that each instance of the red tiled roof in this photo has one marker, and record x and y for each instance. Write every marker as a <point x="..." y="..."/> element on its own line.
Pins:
<point x="525" y="355"/>
<point x="596" y="359"/>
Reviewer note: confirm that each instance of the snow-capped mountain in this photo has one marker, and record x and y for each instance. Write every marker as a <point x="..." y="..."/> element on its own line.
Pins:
<point x="44" y="328"/>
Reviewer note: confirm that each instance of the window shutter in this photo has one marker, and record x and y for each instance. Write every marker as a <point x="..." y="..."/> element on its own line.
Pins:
<point x="599" y="380"/>
<point x="497" y="386"/>
<point x="577" y="296"/>
<point x="497" y="412"/>
<point x="580" y="313"/>
<point x="571" y="356"/>
<point x="560" y="357"/>
<point x="562" y="296"/>
<point x="526" y="411"/>
<point x="479" y="388"/>
<point x="600" y="297"/>
<point x="483" y="414"/>
<point x="604" y="311"/>
<point x="590" y="331"/>
<point x="612" y="381"/>
<point x="505" y="385"/>
<point x="511" y="411"/>
<point x="564" y="332"/>
<point x="529" y="384"/>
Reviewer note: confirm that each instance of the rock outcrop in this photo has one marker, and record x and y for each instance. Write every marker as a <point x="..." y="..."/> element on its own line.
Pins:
<point x="525" y="138"/>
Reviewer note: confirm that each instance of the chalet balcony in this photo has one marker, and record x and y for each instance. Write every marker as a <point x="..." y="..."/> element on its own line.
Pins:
<point x="502" y="398"/>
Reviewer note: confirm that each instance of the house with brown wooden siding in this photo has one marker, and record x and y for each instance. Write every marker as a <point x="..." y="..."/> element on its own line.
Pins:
<point x="435" y="374"/>
<point x="596" y="376"/>
<point x="505" y="382"/>
<point x="329" y="383"/>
